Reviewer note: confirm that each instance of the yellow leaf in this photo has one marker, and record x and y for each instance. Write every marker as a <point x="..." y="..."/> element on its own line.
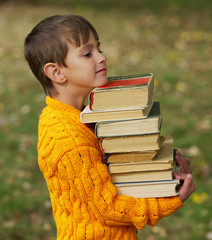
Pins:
<point x="199" y="198"/>
<point x="156" y="82"/>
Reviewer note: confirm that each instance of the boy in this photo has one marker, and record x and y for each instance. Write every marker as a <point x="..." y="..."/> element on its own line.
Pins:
<point x="64" y="54"/>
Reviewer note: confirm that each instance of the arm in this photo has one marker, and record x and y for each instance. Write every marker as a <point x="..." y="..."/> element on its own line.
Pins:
<point x="90" y="181"/>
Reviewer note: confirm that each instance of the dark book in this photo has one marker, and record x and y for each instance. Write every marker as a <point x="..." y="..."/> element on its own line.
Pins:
<point x="149" y="125"/>
<point x="160" y="175"/>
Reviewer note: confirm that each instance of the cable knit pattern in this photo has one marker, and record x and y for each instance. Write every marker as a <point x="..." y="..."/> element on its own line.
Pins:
<point x="84" y="201"/>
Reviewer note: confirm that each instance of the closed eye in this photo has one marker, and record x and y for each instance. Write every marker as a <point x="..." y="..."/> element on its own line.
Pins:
<point x="88" y="54"/>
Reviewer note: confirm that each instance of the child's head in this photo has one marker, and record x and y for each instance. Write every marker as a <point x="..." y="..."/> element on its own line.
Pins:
<point x="48" y="42"/>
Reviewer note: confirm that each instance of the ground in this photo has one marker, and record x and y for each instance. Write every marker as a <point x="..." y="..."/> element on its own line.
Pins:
<point x="172" y="40"/>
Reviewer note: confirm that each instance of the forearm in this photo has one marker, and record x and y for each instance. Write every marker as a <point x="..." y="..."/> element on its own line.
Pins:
<point x="162" y="207"/>
<point x="140" y="212"/>
<point x="90" y="182"/>
<point x="119" y="209"/>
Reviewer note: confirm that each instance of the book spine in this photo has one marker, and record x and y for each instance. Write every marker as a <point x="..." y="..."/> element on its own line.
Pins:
<point x="100" y="142"/>
<point x="96" y="130"/>
<point x="91" y="100"/>
<point x="81" y="118"/>
<point x="151" y="87"/>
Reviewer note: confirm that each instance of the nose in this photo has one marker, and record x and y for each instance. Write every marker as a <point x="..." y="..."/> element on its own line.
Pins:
<point x="101" y="58"/>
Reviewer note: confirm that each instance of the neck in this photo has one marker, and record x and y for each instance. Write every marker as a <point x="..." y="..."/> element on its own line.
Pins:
<point x="72" y="95"/>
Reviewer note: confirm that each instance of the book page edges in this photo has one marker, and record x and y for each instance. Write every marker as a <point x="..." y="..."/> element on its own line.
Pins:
<point x="129" y="184"/>
<point x="87" y="111"/>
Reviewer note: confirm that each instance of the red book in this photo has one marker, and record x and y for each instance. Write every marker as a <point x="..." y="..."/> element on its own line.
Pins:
<point x="123" y="92"/>
<point x="126" y="82"/>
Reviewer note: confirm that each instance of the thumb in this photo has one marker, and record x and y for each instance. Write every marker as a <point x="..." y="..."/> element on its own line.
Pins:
<point x="185" y="188"/>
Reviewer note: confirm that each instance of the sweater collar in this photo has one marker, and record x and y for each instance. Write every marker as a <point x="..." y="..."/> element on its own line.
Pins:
<point x="57" y="105"/>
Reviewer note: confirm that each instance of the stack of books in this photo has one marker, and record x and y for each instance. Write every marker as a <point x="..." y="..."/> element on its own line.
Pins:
<point x="128" y="125"/>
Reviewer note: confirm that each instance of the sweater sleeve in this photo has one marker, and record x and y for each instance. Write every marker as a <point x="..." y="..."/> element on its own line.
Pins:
<point x="81" y="169"/>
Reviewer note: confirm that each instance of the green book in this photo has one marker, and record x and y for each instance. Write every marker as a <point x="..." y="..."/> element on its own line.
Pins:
<point x="148" y="125"/>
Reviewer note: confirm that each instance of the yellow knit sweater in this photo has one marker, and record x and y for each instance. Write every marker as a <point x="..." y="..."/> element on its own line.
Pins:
<point x="84" y="201"/>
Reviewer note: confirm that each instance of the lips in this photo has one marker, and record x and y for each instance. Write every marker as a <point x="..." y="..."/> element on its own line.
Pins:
<point x="101" y="70"/>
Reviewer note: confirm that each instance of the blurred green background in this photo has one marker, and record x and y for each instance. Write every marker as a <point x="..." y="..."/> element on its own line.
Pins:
<point x="171" y="39"/>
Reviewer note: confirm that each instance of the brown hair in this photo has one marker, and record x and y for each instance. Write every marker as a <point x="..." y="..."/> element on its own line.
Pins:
<point x="48" y="42"/>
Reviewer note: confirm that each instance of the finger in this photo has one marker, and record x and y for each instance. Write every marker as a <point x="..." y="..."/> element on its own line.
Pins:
<point x="185" y="188"/>
<point x="188" y="168"/>
<point x="178" y="152"/>
<point x="179" y="158"/>
<point x="187" y="160"/>
<point x="177" y="172"/>
<point x="179" y="176"/>
<point x="179" y="161"/>
<point x="184" y="163"/>
<point x="193" y="187"/>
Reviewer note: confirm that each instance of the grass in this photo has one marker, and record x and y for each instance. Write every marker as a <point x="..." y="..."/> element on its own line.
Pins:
<point x="170" y="39"/>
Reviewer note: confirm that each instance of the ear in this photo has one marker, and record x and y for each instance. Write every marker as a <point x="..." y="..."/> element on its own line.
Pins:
<point x="53" y="71"/>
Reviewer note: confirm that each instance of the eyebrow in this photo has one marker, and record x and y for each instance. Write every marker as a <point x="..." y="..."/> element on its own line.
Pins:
<point x="88" y="45"/>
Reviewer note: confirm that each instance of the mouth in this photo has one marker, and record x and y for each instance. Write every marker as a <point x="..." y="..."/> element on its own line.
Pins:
<point x="102" y="70"/>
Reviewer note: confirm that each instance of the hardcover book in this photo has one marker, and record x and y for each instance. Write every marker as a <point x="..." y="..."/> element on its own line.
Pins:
<point x="89" y="116"/>
<point x="133" y="143"/>
<point x="140" y="166"/>
<point x="123" y="92"/>
<point x="163" y="161"/>
<point x="161" y="175"/>
<point x="152" y="189"/>
<point x="131" y="156"/>
<point x="149" y="125"/>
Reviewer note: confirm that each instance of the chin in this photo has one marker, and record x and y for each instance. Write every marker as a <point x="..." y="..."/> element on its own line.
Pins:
<point x="103" y="82"/>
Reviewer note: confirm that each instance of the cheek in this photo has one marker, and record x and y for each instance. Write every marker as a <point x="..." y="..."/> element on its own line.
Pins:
<point x="87" y="69"/>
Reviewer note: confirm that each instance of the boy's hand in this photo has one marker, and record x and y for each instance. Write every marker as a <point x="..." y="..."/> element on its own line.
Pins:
<point x="183" y="163"/>
<point x="184" y="174"/>
<point x="187" y="188"/>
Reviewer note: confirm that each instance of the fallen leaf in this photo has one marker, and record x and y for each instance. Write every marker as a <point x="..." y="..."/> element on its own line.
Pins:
<point x="199" y="198"/>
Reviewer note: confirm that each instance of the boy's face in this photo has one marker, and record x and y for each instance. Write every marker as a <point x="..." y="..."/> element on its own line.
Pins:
<point x="86" y="66"/>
